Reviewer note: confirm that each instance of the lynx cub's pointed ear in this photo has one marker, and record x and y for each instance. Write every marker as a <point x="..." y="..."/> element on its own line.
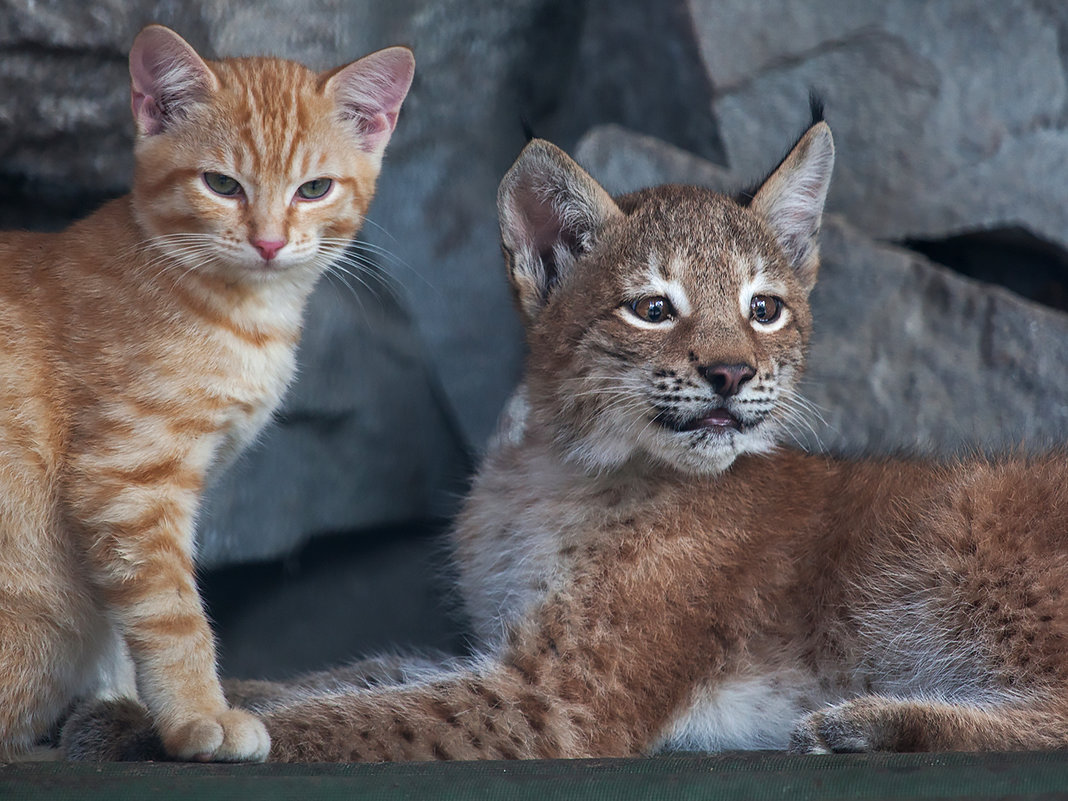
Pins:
<point x="166" y="74"/>
<point x="550" y="212"/>
<point x="791" y="200"/>
<point x="369" y="93"/>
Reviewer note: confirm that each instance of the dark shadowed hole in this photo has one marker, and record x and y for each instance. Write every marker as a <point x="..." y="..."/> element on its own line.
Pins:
<point x="338" y="598"/>
<point x="634" y="63"/>
<point x="1010" y="257"/>
<point x="35" y="204"/>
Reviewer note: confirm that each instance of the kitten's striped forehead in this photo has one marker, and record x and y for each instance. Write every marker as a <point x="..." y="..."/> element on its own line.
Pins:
<point x="273" y="109"/>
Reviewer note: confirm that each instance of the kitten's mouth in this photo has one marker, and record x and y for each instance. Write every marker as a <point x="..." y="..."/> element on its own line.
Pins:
<point x="715" y="419"/>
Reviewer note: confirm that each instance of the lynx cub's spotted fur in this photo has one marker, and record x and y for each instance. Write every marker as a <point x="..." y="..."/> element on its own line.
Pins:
<point x="140" y="350"/>
<point x="647" y="569"/>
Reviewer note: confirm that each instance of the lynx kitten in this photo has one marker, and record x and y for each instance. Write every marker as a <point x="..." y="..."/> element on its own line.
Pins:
<point x="647" y="568"/>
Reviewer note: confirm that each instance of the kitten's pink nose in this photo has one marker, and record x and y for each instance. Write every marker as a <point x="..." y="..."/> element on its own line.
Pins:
<point x="268" y="248"/>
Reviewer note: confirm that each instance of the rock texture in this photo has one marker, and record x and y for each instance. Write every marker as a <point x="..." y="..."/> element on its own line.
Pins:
<point x="949" y="116"/>
<point x="906" y="355"/>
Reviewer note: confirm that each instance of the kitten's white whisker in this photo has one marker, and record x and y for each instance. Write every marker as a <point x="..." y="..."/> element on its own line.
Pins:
<point x="381" y="228"/>
<point x="341" y="267"/>
<point x="382" y="279"/>
<point x="336" y="278"/>
<point x="363" y="246"/>
<point x="354" y="254"/>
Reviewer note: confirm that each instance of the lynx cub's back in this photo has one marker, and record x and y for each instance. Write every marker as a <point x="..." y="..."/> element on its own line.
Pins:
<point x="647" y="567"/>
<point x="140" y="350"/>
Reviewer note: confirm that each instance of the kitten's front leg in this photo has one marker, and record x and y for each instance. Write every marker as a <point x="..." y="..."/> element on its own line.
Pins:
<point x="140" y="528"/>
<point x="598" y="669"/>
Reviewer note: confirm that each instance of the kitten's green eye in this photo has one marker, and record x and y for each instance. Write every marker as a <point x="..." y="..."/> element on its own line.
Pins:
<point x="315" y="188"/>
<point x="654" y="309"/>
<point x="222" y="184"/>
<point x="765" y="308"/>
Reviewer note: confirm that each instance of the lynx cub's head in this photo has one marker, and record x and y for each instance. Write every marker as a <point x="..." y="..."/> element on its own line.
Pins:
<point x="255" y="168"/>
<point x="668" y="325"/>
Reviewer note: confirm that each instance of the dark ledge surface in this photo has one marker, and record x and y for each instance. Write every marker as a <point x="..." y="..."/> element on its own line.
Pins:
<point x="737" y="775"/>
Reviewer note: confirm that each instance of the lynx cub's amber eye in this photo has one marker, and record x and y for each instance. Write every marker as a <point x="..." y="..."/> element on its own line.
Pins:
<point x="315" y="189"/>
<point x="222" y="184"/>
<point x="653" y="310"/>
<point x="765" y="308"/>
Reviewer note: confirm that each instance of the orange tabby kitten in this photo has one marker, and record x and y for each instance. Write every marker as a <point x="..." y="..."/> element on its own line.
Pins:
<point x="141" y="349"/>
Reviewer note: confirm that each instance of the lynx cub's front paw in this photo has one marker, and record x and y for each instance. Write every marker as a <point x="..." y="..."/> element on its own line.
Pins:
<point x="829" y="732"/>
<point x="231" y="736"/>
<point x="868" y="723"/>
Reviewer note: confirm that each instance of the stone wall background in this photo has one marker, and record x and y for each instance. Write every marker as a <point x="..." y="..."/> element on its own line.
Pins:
<point x="951" y="121"/>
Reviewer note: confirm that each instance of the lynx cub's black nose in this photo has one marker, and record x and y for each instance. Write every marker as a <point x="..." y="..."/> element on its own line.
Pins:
<point x="726" y="379"/>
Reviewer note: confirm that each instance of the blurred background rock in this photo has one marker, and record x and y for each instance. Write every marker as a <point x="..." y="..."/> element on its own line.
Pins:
<point x="940" y="314"/>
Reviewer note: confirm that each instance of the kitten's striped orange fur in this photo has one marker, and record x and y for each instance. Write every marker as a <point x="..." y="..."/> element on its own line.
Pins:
<point x="141" y="349"/>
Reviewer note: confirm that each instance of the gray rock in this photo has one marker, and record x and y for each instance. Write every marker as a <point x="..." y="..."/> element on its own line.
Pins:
<point x="739" y="39"/>
<point x="947" y="118"/>
<point x="482" y="66"/>
<point x="624" y="161"/>
<point x="906" y="354"/>
<point x="336" y="600"/>
<point x="636" y="64"/>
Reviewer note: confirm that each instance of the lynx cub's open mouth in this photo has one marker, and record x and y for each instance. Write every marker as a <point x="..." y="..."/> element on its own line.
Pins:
<point x="712" y="419"/>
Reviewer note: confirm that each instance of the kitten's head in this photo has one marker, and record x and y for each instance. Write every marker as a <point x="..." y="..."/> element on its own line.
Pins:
<point x="254" y="168"/>
<point x="670" y="324"/>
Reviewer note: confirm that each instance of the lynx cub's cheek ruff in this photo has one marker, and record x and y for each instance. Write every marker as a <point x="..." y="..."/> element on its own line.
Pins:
<point x="646" y="570"/>
<point x="140" y="350"/>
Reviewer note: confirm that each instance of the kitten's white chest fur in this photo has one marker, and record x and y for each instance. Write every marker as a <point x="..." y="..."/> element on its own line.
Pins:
<point x="267" y="373"/>
<point x="506" y="570"/>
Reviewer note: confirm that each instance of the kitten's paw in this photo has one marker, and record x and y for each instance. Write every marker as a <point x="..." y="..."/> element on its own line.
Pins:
<point x="841" y="729"/>
<point x="230" y="736"/>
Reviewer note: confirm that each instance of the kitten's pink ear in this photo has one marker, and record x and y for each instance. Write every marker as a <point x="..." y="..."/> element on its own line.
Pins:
<point x="166" y="75"/>
<point x="551" y="212"/>
<point x="791" y="199"/>
<point x="370" y="91"/>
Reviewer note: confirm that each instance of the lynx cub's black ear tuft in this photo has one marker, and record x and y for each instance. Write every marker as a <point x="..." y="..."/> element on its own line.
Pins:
<point x="791" y="200"/>
<point x="550" y="212"/>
